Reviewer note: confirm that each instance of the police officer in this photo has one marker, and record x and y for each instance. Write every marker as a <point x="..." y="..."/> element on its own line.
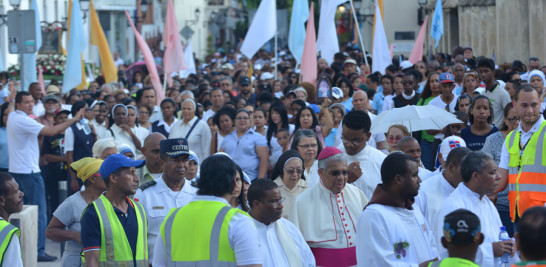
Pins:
<point x="170" y="190"/>
<point x="11" y="201"/>
<point x="113" y="226"/>
<point x="208" y="230"/>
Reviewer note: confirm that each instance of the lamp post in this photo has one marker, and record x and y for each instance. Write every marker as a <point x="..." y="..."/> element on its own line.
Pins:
<point x="421" y="11"/>
<point x="4" y="17"/>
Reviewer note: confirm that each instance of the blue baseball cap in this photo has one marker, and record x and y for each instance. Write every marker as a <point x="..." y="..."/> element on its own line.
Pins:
<point x="315" y="108"/>
<point x="446" y="78"/>
<point x="115" y="161"/>
<point x="174" y="147"/>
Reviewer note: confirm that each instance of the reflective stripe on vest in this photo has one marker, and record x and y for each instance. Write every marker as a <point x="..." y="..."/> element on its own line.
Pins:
<point x="526" y="172"/>
<point x="109" y="258"/>
<point x="5" y="237"/>
<point x="214" y="243"/>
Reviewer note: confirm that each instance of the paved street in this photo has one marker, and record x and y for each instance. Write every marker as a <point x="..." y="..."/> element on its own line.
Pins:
<point x="53" y="249"/>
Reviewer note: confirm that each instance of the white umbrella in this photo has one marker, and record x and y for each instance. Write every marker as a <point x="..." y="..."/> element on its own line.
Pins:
<point x="415" y="118"/>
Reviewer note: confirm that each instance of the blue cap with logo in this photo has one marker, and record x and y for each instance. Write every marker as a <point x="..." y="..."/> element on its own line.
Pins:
<point x="116" y="161"/>
<point x="446" y="78"/>
<point x="174" y="147"/>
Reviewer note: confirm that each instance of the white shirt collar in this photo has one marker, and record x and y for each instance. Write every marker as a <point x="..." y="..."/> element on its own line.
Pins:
<point x="162" y="122"/>
<point x="535" y="127"/>
<point x="473" y="196"/>
<point x="210" y="198"/>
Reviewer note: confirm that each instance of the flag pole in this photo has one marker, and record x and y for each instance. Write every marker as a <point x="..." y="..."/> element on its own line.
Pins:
<point x="165" y="82"/>
<point x="359" y="35"/>
<point x="276" y="56"/>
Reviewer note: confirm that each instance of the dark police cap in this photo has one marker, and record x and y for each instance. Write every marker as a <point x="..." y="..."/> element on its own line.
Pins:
<point x="174" y="147"/>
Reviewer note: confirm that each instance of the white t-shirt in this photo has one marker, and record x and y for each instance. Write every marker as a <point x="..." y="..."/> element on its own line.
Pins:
<point x="24" y="152"/>
<point x="242" y="235"/>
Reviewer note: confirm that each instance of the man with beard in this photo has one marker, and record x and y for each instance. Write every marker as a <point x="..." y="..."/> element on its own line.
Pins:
<point x="114" y="227"/>
<point x="280" y="241"/>
<point x="480" y="178"/>
<point x="168" y="191"/>
<point x="326" y="212"/>
<point x="245" y="91"/>
<point x="390" y="231"/>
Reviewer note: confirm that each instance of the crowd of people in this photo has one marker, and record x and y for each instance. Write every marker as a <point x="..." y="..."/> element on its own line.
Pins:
<point x="244" y="165"/>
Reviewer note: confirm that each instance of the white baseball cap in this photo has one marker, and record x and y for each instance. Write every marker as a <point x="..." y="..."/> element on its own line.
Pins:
<point x="450" y="143"/>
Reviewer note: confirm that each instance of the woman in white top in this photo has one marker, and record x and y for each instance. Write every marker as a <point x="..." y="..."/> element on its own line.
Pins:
<point x="223" y="119"/>
<point x="193" y="129"/>
<point x="288" y="175"/>
<point x="121" y="130"/>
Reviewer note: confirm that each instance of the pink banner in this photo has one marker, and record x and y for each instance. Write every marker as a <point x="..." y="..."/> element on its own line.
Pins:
<point x="309" y="59"/>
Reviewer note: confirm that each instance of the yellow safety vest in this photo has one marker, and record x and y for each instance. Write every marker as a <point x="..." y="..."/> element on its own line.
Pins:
<point x="526" y="172"/>
<point x="6" y="233"/>
<point x="197" y="234"/>
<point x="453" y="262"/>
<point x="114" y="246"/>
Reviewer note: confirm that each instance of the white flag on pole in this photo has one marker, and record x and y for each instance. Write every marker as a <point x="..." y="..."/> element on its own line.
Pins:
<point x="327" y="43"/>
<point x="381" y="56"/>
<point x="262" y="29"/>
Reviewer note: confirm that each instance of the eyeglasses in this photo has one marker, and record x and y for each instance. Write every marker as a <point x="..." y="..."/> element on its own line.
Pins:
<point x="338" y="173"/>
<point x="276" y="203"/>
<point x="294" y="171"/>
<point x="513" y="119"/>
<point x="313" y="146"/>
<point x="392" y="139"/>
<point x="355" y="141"/>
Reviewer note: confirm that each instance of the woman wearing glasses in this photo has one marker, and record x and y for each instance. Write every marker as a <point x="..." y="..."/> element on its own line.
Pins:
<point x="493" y="145"/>
<point x="288" y="175"/>
<point x="308" y="145"/>
<point x="394" y="134"/>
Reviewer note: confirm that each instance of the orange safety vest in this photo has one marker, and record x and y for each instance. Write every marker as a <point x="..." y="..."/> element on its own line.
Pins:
<point x="526" y="172"/>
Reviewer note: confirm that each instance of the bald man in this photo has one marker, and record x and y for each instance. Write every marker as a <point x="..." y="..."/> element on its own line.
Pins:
<point x="362" y="103"/>
<point x="410" y="146"/>
<point x="154" y="166"/>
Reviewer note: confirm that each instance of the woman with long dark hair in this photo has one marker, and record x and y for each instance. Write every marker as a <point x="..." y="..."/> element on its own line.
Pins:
<point x="306" y="119"/>
<point x="239" y="199"/>
<point x="480" y="115"/>
<point x="277" y="119"/>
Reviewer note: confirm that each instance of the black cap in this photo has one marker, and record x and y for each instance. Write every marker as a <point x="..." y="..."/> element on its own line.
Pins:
<point x="264" y="87"/>
<point x="174" y="147"/>
<point x="462" y="227"/>
<point x="244" y="80"/>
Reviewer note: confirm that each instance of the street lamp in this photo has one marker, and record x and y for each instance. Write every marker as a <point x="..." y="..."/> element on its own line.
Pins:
<point x="84" y="6"/>
<point x="196" y="14"/>
<point x="144" y="6"/>
<point x="15" y="3"/>
<point x="4" y="17"/>
<point x="421" y="11"/>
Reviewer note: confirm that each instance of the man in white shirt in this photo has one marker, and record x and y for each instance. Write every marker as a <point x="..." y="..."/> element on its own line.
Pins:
<point x="146" y="96"/>
<point x="169" y="191"/>
<point x="217" y="100"/>
<point x="437" y="188"/>
<point x="326" y="212"/>
<point x="480" y="178"/>
<point x="391" y="232"/>
<point x="411" y="147"/>
<point x="11" y="201"/>
<point x="22" y="132"/>
<point x="282" y="244"/>
<point x="151" y="151"/>
<point x="364" y="160"/>
<point x="36" y="93"/>
<point x="117" y="60"/>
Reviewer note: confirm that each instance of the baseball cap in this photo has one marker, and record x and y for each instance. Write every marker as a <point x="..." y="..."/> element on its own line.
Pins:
<point x="174" y="147"/>
<point x="266" y="76"/>
<point x="450" y="143"/>
<point x="51" y="97"/>
<point x="115" y="161"/>
<point x="315" y="108"/>
<point x="257" y="66"/>
<point x="462" y="227"/>
<point x="337" y="93"/>
<point x="61" y="112"/>
<point x="340" y="106"/>
<point x="446" y="78"/>
<point x="349" y="61"/>
<point x="244" y="80"/>
<point x="227" y="66"/>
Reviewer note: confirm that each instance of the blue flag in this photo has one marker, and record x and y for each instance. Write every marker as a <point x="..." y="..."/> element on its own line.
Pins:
<point x="437" y="26"/>
<point x="30" y="59"/>
<point x="76" y="44"/>
<point x="296" y="36"/>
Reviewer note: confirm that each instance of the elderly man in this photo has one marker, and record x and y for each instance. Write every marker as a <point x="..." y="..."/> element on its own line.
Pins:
<point x="531" y="237"/>
<point x="326" y="212"/>
<point x="154" y="166"/>
<point x="435" y="190"/>
<point x="280" y="241"/>
<point x="364" y="160"/>
<point x="480" y="178"/>
<point x="390" y="231"/>
<point x="410" y="147"/>
<point x="168" y="191"/>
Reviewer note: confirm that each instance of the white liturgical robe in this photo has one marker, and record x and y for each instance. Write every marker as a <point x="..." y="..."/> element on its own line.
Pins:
<point x="464" y="198"/>
<point x="273" y="236"/>
<point x="370" y="163"/>
<point x="432" y="194"/>
<point x="393" y="236"/>
<point x="328" y="222"/>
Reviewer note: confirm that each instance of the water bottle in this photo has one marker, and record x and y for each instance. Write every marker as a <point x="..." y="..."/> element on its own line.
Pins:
<point x="85" y="124"/>
<point x="503" y="236"/>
